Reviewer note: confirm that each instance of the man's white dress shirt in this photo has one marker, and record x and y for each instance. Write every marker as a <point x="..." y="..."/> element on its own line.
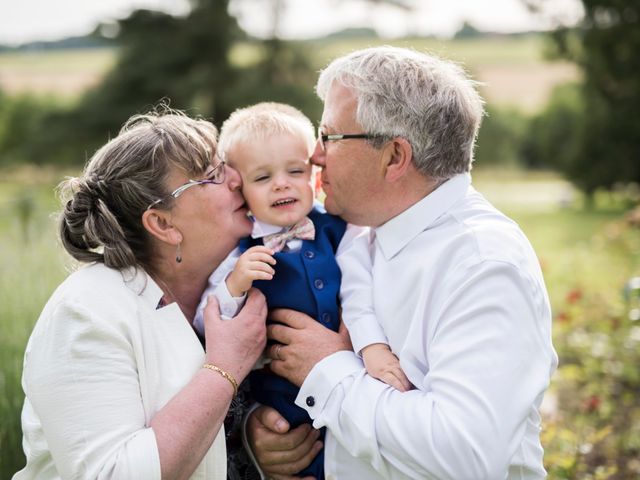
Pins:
<point x="459" y="293"/>
<point x="101" y="361"/>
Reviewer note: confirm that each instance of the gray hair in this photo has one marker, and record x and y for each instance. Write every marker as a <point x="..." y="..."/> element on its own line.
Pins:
<point x="102" y="216"/>
<point x="262" y="120"/>
<point x="428" y="101"/>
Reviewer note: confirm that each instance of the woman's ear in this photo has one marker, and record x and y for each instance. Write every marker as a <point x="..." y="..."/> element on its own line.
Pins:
<point x="158" y="224"/>
<point x="399" y="153"/>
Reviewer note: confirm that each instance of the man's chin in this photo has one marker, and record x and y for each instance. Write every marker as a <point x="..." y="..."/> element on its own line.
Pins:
<point x="331" y="207"/>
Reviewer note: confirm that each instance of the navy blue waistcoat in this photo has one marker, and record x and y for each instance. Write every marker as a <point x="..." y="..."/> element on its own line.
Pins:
<point x="307" y="280"/>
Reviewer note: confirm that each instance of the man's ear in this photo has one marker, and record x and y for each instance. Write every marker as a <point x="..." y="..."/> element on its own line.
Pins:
<point x="399" y="153"/>
<point x="158" y="224"/>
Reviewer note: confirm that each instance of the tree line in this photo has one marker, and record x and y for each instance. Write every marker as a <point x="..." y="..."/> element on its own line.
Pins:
<point x="589" y="131"/>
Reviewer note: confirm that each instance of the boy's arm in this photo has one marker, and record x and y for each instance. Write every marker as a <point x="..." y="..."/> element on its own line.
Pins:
<point x="227" y="283"/>
<point x="382" y="364"/>
<point x="356" y="289"/>
<point x="254" y="264"/>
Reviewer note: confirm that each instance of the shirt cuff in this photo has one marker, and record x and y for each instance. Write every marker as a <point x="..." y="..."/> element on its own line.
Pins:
<point x="229" y="305"/>
<point x="364" y="332"/>
<point x="324" y="377"/>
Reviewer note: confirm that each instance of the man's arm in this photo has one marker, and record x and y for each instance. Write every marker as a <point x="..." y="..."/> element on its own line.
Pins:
<point x="488" y="366"/>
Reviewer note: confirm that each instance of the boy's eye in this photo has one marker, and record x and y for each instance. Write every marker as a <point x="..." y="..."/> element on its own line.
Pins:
<point x="296" y="171"/>
<point x="261" y="178"/>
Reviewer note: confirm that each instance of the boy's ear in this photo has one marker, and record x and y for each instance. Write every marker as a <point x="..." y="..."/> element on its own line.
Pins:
<point x="158" y="224"/>
<point x="400" y="154"/>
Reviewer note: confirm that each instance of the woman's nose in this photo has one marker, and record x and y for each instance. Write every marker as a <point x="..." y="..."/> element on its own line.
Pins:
<point x="234" y="179"/>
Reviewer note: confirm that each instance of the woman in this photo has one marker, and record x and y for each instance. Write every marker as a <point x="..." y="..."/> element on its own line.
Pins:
<point x="113" y="374"/>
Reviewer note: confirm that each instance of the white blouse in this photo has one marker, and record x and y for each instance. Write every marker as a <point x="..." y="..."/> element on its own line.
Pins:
<point x="101" y="361"/>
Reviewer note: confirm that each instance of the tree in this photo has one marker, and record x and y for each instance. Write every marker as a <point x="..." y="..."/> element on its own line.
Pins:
<point x="605" y="47"/>
<point x="183" y="60"/>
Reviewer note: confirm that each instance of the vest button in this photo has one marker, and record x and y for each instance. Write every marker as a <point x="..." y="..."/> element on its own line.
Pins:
<point x="318" y="283"/>
<point x="309" y="254"/>
<point x="310" y="401"/>
<point x="326" y="317"/>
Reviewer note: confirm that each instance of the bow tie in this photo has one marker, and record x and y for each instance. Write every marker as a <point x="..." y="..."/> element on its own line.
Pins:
<point x="303" y="230"/>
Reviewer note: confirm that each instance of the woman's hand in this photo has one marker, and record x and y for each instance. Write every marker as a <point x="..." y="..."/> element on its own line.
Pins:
<point x="281" y="452"/>
<point x="235" y="345"/>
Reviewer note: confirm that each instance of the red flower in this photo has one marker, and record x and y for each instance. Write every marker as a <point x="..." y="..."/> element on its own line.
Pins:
<point x="592" y="403"/>
<point x="562" y="317"/>
<point x="574" y="295"/>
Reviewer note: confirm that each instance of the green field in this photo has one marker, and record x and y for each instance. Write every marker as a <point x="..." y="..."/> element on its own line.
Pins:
<point x="592" y="251"/>
<point x="513" y="69"/>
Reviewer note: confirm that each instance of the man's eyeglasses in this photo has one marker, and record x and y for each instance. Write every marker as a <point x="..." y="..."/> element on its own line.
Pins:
<point x="216" y="176"/>
<point x="324" y="138"/>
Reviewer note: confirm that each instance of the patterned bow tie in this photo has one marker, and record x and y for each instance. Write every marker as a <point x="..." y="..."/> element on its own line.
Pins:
<point x="303" y="230"/>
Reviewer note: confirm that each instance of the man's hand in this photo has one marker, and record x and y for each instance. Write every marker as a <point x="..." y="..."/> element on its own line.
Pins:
<point x="281" y="452"/>
<point x="303" y="342"/>
<point x="254" y="264"/>
<point x="382" y="364"/>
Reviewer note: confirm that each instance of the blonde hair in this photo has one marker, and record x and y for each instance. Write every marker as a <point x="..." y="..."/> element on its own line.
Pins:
<point x="262" y="120"/>
<point x="102" y="216"/>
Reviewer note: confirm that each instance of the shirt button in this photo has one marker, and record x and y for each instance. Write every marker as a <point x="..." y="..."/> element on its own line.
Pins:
<point x="309" y="254"/>
<point x="326" y="317"/>
<point x="318" y="283"/>
<point x="310" y="401"/>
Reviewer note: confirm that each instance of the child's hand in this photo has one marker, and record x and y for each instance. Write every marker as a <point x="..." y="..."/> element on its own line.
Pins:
<point x="382" y="364"/>
<point x="254" y="264"/>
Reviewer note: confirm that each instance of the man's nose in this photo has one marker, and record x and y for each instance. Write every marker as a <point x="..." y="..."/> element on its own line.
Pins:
<point x="318" y="156"/>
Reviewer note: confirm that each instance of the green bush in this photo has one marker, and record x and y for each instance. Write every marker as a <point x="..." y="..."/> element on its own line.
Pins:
<point x="21" y="124"/>
<point x="553" y="136"/>
<point x="500" y="137"/>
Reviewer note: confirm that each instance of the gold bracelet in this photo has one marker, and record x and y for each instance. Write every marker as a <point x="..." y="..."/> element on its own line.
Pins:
<point x="226" y="375"/>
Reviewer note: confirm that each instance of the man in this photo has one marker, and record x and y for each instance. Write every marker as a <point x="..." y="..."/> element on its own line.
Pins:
<point x="457" y="289"/>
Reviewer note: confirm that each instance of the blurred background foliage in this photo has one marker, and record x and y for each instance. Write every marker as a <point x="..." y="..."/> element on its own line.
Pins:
<point x="558" y="151"/>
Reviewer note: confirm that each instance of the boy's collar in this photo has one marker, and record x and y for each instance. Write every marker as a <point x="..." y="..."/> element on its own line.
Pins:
<point x="262" y="229"/>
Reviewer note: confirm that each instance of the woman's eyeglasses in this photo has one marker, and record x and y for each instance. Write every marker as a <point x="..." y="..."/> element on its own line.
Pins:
<point x="216" y="176"/>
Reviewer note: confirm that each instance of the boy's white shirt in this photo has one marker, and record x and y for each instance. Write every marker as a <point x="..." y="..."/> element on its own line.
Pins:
<point x="353" y="256"/>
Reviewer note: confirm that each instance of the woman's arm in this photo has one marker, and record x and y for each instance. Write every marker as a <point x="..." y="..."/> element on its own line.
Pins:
<point x="186" y="427"/>
<point x="90" y="395"/>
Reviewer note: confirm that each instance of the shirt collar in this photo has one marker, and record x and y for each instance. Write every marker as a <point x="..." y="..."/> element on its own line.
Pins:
<point x="395" y="234"/>
<point x="262" y="229"/>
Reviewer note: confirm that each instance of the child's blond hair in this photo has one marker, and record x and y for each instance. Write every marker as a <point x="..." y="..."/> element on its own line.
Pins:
<point x="261" y="121"/>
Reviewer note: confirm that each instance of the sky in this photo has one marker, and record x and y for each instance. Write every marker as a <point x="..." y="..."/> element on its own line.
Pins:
<point x="23" y="21"/>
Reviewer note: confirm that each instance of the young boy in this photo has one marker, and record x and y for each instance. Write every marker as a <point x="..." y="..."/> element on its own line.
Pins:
<point x="296" y="251"/>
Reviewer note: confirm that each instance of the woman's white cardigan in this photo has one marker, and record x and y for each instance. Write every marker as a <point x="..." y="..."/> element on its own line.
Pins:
<point x="101" y="361"/>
